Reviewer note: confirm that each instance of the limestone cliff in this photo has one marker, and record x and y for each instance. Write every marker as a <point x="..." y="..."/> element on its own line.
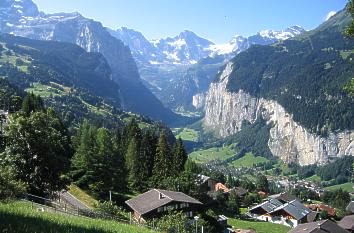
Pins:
<point x="225" y="112"/>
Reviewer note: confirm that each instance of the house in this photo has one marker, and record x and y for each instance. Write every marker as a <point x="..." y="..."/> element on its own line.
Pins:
<point x="157" y="202"/>
<point x="261" y="211"/>
<point x="347" y="223"/>
<point x="324" y="226"/>
<point x="290" y="213"/>
<point x="221" y="187"/>
<point x="322" y="207"/>
<point x="350" y="207"/>
<point x="206" y="184"/>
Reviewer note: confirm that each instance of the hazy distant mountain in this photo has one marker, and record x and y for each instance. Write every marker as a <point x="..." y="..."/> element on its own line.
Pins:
<point x="22" y="18"/>
<point x="189" y="48"/>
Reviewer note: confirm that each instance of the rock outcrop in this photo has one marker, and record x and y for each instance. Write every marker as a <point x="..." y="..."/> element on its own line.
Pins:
<point x="225" y="112"/>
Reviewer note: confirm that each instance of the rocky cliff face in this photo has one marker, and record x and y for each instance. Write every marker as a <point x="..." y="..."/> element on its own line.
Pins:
<point x="225" y="112"/>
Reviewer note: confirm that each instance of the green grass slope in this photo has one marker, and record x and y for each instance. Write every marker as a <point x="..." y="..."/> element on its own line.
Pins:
<point x="18" y="217"/>
<point x="259" y="227"/>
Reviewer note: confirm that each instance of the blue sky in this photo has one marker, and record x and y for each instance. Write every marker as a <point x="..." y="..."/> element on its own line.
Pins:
<point x="217" y="20"/>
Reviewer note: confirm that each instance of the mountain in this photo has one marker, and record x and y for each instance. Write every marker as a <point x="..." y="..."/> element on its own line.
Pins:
<point x="239" y="43"/>
<point x="179" y="69"/>
<point x="296" y="86"/>
<point x="188" y="48"/>
<point x="22" y="18"/>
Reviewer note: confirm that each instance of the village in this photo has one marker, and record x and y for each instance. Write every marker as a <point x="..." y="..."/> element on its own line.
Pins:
<point x="282" y="208"/>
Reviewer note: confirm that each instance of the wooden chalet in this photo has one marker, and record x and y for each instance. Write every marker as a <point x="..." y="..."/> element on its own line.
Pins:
<point x="157" y="202"/>
<point x="289" y="214"/>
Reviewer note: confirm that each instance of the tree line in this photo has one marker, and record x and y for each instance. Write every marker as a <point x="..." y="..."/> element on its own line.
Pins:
<point x="41" y="155"/>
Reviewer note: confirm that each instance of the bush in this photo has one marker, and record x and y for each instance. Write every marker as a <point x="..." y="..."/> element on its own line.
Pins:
<point x="108" y="208"/>
<point x="10" y="187"/>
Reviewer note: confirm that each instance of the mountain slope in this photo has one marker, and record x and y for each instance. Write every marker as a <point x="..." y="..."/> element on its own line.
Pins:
<point x="21" y="17"/>
<point x="77" y="84"/>
<point x="296" y="85"/>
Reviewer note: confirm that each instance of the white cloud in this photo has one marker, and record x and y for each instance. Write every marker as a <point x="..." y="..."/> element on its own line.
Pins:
<point x="330" y="14"/>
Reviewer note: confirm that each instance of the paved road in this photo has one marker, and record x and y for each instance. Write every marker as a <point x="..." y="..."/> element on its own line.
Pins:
<point x="73" y="200"/>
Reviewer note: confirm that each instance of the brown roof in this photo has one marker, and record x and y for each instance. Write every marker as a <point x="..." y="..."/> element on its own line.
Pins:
<point x="324" y="226"/>
<point x="156" y="198"/>
<point x="347" y="222"/>
<point x="321" y="207"/>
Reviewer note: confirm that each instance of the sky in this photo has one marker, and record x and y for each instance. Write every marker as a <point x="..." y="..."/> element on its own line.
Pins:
<point x="216" y="20"/>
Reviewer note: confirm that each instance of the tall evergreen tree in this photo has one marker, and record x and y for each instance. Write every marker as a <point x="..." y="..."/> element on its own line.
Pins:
<point x="179" y="156"/>
<point x="32" y="103"/>
<point x="148" y="150"/>
<point x="163" y="161"/>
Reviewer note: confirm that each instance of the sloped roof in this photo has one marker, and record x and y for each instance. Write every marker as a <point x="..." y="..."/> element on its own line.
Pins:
<point x="295" y="209"/>
<point x="324" y="226"/>
<point x="151" y="200"/>
<point x="350" y="207"/>
<point x="347" y="222"/>
<point x="269" y="205"/>
<point x="284" y="197"/>
<point x="201" y="179"/>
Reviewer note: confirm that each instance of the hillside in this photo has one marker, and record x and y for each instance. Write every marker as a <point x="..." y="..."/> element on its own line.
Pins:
<point x="77" y="84"/>
<point x="92" y="37"/>
<point x="19" y="217"/>
<point x="296" y="86"/>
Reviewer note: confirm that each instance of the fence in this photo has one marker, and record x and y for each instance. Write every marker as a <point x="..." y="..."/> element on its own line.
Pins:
<point x="61" y="207"/>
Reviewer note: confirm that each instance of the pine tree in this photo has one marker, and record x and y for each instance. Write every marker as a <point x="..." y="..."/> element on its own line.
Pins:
<point x="180" y="156"/>
<point x="163" y="161"/>
<point x="148" y="150"/>
<point x="32" y="103"/>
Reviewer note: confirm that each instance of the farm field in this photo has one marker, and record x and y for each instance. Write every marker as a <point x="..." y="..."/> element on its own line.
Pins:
<point x="206" y="155"/>
<point x="19" y="217"/>
<point x="346" y="187"/>
<point x="186" y="134"/>
<point x="248" y="160"/>
<point x="259" y="227"/>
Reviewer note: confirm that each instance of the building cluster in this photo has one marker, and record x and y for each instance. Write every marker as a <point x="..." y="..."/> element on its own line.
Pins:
<point x="281" y="208"/>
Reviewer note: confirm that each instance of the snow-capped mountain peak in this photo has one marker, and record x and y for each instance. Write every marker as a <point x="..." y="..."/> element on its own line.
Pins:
<point x="188" y="48"/>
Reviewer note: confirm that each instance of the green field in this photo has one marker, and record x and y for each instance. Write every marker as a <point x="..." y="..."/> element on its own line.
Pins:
<point x="187" y="134"/>
<point x="207" y="155"/>
<point x="259" y="227"/>
<point x="248" y="160"/>
<point x="19" y="217"/>
<point x="346" y="187"/>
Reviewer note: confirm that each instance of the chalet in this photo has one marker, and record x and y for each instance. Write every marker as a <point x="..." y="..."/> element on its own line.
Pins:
<point x="206" y="184"/>
<point x="290" y="213"/>
<point x="347" y="223"/>
<point x="157" y="202"/>
<point x="263" y="210"/>
<point x="350" y="207"/>
<point x="324" y="226"/>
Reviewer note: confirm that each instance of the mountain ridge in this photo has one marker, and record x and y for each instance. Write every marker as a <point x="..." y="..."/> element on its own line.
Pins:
<point x="93" y="37"/>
